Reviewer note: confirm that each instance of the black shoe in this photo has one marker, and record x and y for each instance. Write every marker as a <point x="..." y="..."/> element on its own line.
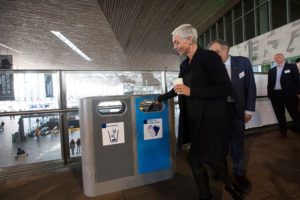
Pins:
<point x="244" y="182"/>
<point x="235" y="191"/>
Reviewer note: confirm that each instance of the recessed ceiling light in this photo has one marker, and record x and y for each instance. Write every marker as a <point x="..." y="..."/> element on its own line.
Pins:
<point x="70" y="44"/>
<point x="10" y="48"/>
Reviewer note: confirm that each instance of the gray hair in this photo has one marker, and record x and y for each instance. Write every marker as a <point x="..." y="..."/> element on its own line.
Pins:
<point x="223" y="43"/>
<point x="186" y="30"/>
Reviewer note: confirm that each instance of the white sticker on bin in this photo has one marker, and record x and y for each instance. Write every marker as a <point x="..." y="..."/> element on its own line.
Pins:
<point x="113" y="133"/>
<point x="153" y="129"/>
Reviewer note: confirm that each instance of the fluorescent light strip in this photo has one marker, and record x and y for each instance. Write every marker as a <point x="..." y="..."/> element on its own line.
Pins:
<point x="70" y="44"/>
<point x="3" y="45"/>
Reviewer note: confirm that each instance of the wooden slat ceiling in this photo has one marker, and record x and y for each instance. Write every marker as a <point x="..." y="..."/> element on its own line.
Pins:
<point x="115" y="34"/>
<point x="143" y="27"/>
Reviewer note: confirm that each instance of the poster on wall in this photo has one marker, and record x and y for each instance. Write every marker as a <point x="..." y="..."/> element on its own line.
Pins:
<point x="6" y="78"/>
<point x="48" y="85"/>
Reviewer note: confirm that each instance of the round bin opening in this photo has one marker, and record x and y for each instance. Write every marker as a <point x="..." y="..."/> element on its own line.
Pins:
<point x="111" y="107"/>
<point x="149" y="105"/>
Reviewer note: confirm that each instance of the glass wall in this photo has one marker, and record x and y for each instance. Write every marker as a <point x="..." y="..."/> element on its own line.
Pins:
<point x="251" y="18"/>
<point x="295" y="7"/>
<point x="38" y="135"/>
<point x="220" y="32"/>
<point x="279" y="13"/>
<point x="84" y="84"/>
<point x="263" y="19"/>
<point x="228" y="28"/>
<point x="44" y="125"/>
<point x="33" y="91"/>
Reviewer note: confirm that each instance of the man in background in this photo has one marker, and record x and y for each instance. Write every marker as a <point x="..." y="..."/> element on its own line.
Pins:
<point x="241" y="105"/>
<point x="284" y="92"/>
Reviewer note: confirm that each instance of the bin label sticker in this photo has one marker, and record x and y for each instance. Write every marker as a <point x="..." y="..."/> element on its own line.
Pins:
<point x="113" y="133"/>
<point x="153" y="129"/>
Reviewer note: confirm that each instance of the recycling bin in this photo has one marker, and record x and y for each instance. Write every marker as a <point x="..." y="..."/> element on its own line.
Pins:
<point x="127" y="141"/>
<point x="152" y="134"/>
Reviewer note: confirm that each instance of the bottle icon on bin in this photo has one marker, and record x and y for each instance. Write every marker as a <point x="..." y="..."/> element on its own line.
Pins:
<point x="153" y="130"/>
<point x="113" y="135"/>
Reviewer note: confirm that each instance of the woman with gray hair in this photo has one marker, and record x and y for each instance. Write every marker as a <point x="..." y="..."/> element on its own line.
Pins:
<point x="203" y="110"/>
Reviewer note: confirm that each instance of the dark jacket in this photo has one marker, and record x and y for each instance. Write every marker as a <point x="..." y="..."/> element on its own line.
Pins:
<point x="243" y="83"/>
<point x="289" y="80"/>
<point x="204" y="115"/>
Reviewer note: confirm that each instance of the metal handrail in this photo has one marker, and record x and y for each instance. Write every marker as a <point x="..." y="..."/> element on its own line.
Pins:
<point x="38" y="112"/>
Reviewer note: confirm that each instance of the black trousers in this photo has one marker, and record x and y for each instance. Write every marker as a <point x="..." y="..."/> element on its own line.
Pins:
<point x="201" y="176"/>
<point x="279" y="103"/>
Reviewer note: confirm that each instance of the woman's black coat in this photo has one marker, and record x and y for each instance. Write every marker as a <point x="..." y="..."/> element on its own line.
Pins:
<point x="203" y="115"/>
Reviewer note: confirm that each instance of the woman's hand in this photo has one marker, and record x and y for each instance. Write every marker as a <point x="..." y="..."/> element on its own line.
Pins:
<point x="182" y="89"/>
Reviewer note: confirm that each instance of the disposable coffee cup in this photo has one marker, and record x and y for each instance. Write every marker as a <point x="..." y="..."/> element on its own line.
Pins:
<point x="177" y="81"/>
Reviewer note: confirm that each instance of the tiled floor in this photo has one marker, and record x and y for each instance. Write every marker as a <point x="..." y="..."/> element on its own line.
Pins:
<point x="273" y="167"/>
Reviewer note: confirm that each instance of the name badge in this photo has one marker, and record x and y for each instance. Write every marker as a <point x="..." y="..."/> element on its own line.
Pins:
<point x="287" y="71"/>
<point x="242" y="74"/>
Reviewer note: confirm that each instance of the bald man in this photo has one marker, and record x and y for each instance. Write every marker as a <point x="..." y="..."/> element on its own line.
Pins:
<point x="284" y="92"/>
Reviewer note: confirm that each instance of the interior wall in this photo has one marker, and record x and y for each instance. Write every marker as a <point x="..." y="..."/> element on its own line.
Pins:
<point x="285" y="40"/>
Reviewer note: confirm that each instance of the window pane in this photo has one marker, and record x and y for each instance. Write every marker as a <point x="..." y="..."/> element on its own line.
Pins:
<point x="263" y="19"/>
<point x="37" y="135"/>
<point x="258" y="2"/>
<point x="249" y="26"/>
<point x="279" y="13"/>
<point x="33" y="91"/>
<point x="295" y="9"/>
<point x="220" y="29"/>
<point x="74" y="134"/>
<point x="213" y="32"/>
<point x="207" y="37"/>
<point x="84" y="84"/>
<point x="237" y="11"/>
<point x="228" y="24"/>
<point x="238" y="31"/>
<point x="248" y="5"/>
<point x="201" y="41"/>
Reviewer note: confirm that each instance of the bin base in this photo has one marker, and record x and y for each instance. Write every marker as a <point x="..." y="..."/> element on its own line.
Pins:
<point x="127" y="183"/>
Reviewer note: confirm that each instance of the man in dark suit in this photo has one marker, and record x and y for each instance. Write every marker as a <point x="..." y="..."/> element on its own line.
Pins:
<point x="284" y="92"/>
<point x="241" y="104"/>
<point x="203" y="108"/>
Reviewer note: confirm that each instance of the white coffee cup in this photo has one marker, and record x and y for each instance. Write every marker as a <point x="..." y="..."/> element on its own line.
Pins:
<point x="177" y="81"/>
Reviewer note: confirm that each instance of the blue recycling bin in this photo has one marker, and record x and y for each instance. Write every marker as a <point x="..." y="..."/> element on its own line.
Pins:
<point x="152" y="137"/>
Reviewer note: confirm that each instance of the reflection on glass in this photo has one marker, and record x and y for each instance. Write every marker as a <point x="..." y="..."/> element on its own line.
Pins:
<point x="238" y="33"/>
<point x="85" y="84"/>
<point x="221" y="29"/>
<point x="228" y="30"/>
<point x="279" y="17"/>
<point x="213" y="32"/>
<point x="295" y="7"/>
<point x="37" y="135"/>
<point x="237" y="11"/>
<point x="74" y="134"/>
<point x="207" y="37"/>
<point x="248" y="5"/>
<point x="201" y="41"/>
<point x="33" y="91"/>
<point x="249" y="26"/>
<point x="262" y="19"/>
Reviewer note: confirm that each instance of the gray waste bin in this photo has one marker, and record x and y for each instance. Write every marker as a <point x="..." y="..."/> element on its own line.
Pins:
<point x="124" y="145"/>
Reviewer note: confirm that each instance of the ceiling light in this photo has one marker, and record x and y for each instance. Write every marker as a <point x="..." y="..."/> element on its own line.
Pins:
<point x="3" y="45"/>
<point x="70" y="44"/>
